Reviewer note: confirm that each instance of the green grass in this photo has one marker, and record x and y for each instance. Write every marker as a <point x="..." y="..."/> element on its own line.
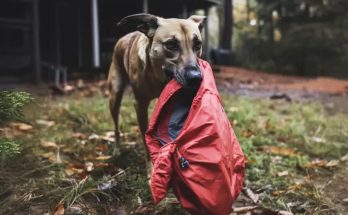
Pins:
<point x="296" y="132"/>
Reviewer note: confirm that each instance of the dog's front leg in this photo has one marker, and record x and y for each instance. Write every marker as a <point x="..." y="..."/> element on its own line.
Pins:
<point x="141" y="107"/>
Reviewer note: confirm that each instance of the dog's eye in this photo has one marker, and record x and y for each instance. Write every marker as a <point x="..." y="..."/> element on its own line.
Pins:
<point x="197" y="45"/>
<point x="172" y="45"/>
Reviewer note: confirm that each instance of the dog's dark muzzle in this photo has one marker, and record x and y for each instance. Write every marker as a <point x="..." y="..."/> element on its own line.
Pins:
<point x="193" y="76"/>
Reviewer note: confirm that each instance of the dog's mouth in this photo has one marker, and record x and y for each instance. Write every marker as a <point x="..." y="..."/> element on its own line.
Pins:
<point x="190" y="77"/>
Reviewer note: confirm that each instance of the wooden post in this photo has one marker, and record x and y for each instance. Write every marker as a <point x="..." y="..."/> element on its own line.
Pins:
<point x="36" y="41"/>
<point x="226" y="37"/>
<point x="145" y="6"/>
<point x="79" y="37"/>
<point x="206" y="34"/>
<point x="57" y="32"/>
<point x="184" y="10"/>
<point x="95" y="33"/>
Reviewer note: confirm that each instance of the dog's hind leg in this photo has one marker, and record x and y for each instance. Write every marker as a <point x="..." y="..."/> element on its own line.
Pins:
<point x="117" y="84"/>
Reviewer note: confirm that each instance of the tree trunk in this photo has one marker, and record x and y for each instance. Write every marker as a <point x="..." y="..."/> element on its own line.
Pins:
<point x="227" y="32"/>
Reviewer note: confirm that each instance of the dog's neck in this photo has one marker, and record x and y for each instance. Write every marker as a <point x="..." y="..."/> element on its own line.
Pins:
<point x="144" y="48"/>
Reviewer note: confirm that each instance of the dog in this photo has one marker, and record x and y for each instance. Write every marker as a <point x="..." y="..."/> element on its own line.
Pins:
<point x="158" y="50"/>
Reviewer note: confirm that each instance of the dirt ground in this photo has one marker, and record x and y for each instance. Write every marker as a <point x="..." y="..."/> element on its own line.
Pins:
<point x="332" y="93"/>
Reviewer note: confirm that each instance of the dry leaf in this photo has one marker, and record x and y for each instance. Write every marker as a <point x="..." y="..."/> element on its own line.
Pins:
<point x="344" y="158"/>
<point x="74" y="168"/>
<point x="59" y="209"/>
<point x="110" y="134"/>
<point x="244" y="209"/>
<point x="332" y="163"/>
<point x="318" y="139"/>
<point x="79" y="135"/>
<point x="45" y="122"/>
<point x="316" y="163"/>
<point x="74" y="209"/>
<point x="21" y="126"/>
<point x="284" y="151"/>
<point x="106" y="138"/>
<point x="49" y="144"/>
<point x="89" y="166"/>
<point x="94" y="137"/>
<point x="102" y="164"/>
<point x="68" y="88"/>
<point x="102" y="147"/>
<point x="251" y="195"/>
<point x="284" y="173"/>
<point x="131" y="143"/>
<point x="248" y="133"/>
<point x="103" y="157"/>
<point x="233" y="109"/>
<point x="46" y="155"/>
<point x="285" y="213"/>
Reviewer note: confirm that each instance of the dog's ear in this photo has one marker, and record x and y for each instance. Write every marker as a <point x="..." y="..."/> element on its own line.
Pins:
<point x="200" y="20"/>
<point x="145" y="23"/>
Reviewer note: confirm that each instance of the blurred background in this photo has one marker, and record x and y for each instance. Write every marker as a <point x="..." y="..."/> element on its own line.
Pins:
<point x="302" y="37"/>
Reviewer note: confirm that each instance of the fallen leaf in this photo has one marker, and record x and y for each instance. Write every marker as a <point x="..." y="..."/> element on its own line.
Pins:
<point x="244" y="209"/>
<point x="69" y="172"/>
<point x="94" y="137"/>
<point x="284" y="151"/>
<point x="251" y="195"/>
<point x="59" y="209"/>
<point x="316" y="163"/>
<point x="104" y="186"/>
<point x="248" y="133"/>
<point x="68" y="88"/>
<point x="89" y="166"/>
<point x="73" y="169"/>
<point x="62" y="90"/>
<point x="74" y="209"/>
<point x="131" y="143"/>
<point x="344" y="158"/>
<point x="46" y="155"/>
<point x="233" y="109"/>
<point x="79" y="135"/>
<point x="103" y="157"/>
<point x="102" y="147"/>
<point x="53" y="157"/>
<point x="80" y="84"/>
<point x="45" y="122"/>
<point x="106" y="138"/>
<point x="102" y="164"/>
<point x="345" y="200"/>
<point x="318" y="139"/>
<point x="332" y="163"/>
<point x="49" y="144"/>
<point x="284" y="173"/>
<point x="285" y="213"/>
<point x="21" y="126"/>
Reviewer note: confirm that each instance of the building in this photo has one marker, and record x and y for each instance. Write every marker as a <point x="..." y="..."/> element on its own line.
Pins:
<point x="40" y="39"/>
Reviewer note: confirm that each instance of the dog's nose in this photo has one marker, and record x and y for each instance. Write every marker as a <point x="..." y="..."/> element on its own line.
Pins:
<point x="193" y="76"/>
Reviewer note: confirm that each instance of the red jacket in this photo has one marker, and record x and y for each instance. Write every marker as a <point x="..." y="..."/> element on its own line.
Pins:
<point x="204" y="163"/>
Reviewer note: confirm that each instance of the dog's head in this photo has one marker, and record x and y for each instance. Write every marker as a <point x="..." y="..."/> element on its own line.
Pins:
<point x="175" y="44"/>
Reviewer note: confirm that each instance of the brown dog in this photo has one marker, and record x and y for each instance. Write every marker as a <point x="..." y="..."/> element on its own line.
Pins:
<point x="147" y="59"/>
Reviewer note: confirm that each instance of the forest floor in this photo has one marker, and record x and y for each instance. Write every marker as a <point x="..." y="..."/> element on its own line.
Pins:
<point x="294" y="132"/>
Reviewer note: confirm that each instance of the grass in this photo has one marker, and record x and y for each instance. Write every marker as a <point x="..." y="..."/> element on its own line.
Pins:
<point x="280" y="141"/>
